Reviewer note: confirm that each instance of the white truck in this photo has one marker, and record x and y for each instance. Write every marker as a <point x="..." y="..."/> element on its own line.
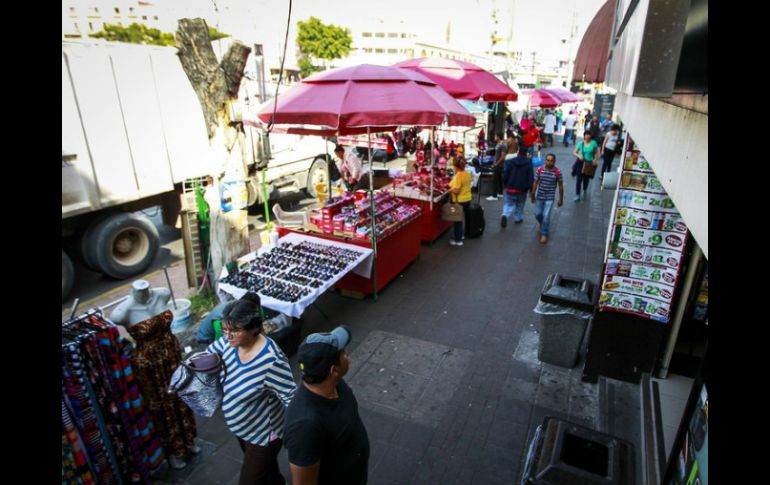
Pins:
<point x="132" y="132"/>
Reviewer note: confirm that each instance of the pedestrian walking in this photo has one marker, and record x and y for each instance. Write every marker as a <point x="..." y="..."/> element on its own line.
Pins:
<point x="559" y="117"/>
<point x="569" y="128"/>
<point x="595" y="129"/>
<point x="547" y="177"/>
<point x="501" y="147"/>
<point x="257" y="388"/>
<point x="549" y="123"/>
<point x="609" y="147"/>
<point x="325" y="436"/>
<point x="460" y="187"/>
<point x="584" y="167"/>
<point x="518" y="175"/>
<point x="531" y="139"/>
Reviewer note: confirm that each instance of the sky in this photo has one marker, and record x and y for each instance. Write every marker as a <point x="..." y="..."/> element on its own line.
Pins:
<point x="537" y="25"/>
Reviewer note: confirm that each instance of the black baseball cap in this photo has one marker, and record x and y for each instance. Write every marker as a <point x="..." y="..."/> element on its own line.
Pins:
<point x="319" y="352"/>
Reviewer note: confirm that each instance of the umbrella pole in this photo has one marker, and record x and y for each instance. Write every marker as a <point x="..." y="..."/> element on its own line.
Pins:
<point x="267" y="206"/>
<point x="328" y="168"/>
<point x="432" y="131"/>
<point x="371" y="204"/>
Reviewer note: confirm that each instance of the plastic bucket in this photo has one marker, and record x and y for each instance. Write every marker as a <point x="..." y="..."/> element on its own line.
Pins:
<point x="182" y="315"/>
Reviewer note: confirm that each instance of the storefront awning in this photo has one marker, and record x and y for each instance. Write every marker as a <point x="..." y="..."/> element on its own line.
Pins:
<point x="591" y="60"/>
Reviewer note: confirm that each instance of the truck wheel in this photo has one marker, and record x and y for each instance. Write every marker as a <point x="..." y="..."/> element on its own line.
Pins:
<point x="124" y="245"/>
<point x="84" y="250"/>
<point x="67" y="275"/>
<point x="316" y="175"/>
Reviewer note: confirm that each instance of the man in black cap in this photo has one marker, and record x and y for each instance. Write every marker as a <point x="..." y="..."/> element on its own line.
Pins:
<point x="324" y="434"/>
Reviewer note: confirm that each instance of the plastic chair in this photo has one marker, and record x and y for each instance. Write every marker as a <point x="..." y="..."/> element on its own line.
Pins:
<point x="290" y="219"/>
<point x="322" y="192"/>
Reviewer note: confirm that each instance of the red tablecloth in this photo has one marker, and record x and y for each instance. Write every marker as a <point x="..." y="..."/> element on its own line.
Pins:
<point x="431" y="224"/>
<point x="394" y="253"/>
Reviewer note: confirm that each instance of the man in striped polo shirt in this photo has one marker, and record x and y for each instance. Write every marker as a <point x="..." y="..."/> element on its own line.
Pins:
<point x="544" y="193"/>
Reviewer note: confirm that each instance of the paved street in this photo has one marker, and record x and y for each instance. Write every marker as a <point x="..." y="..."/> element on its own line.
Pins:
<point x="444" y="364"/>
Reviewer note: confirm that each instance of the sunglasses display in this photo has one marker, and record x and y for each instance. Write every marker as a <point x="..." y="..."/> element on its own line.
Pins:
<point x="291" y="271"/>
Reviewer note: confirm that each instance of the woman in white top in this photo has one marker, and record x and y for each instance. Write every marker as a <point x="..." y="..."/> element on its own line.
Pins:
<point x="609" y="146"/>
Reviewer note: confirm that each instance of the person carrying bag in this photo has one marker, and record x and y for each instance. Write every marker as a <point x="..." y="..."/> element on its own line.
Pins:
<point x="196" y="382"/>
<point x="585" y="165"/>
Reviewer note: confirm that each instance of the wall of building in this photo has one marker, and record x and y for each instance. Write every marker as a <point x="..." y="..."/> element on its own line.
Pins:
<point x="675" y="142"/>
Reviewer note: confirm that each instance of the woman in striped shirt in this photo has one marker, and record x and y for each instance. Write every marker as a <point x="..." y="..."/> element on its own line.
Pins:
<point x="258" y="386"/>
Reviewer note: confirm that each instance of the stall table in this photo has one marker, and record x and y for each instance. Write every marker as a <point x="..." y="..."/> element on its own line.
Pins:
<point x="394" y="253"/>
<point x="431" y="224"/>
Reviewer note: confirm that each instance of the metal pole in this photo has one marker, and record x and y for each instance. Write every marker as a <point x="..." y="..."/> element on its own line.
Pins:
<point x="74" y="307"/>
<point x="328" y="169"/>
<point x="173" y="300"/>
<point x="264" y="199"/>
<point x="371" y="203"/>
<point x="432" y="132"/>
<point x="679" y="312"/>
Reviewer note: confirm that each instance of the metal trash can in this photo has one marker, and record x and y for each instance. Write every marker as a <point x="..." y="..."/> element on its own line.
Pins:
<point x="562" y="452"/>
<point x="566" y="304"/>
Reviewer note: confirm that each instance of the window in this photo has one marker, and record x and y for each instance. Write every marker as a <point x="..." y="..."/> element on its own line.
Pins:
<point x="392" y="51"/>
<point x="392" y="35"/>
<point x="90" y="27"/>
<point x="155" y="17"/>
<point x="96" y="9"/>
<point x="77" y="27"/>
<point x="130" y="9"/>
<point x="403" y="36"/>
<point x="72" y="10"/>
<point x="366" y="34"/>
<point x="117" y="10"/>
<point x="144" y="17"/>
<point x="379" y="51"/>
<point x="380" y="35"/>
<point x="368" y="50"/>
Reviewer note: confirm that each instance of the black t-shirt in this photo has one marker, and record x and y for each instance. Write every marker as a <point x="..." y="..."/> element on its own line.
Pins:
<point x="329" y="430"/>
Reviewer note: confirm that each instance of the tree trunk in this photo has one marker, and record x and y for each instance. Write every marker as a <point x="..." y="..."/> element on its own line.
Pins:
<point x="216" y="85"/>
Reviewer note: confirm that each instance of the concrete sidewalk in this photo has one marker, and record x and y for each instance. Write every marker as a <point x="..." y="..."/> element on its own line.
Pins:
<point x="444" y="364"/>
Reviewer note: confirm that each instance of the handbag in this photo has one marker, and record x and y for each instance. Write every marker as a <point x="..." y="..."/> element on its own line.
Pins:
<point x="196" y="382"/>
<point x="452" y="211"/>
<point x="589" y="168"/>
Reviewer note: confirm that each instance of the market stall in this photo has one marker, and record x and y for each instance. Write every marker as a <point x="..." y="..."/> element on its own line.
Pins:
<point x="290" y="275"/>
<point x="416" y="190"/>
<point x="347" y="219"/>
<point x="352" y="100"/>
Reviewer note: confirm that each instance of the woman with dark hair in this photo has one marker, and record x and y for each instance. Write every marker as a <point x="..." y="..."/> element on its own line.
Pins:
<point x="460" y="187"/>
<point x="609" y="147"/>
<point x="258" y="386"/>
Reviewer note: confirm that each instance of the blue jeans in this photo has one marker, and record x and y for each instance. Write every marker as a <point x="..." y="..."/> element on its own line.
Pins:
<point x="458" y="227"/>
<point x="568" y="136"/>
<point x="543" y="215"/>
<point x="514" y="203"/>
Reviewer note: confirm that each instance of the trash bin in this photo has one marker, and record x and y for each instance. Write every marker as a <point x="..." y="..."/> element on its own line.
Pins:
<point x="566" y="304"/>
<point x="563" y="452"/>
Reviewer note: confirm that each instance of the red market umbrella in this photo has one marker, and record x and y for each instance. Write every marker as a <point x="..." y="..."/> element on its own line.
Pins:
<point x="563" y="95"/>
<point x="593" y="53"/>
<point x="462" y="80"/>
<point x="542" y="98"/>
<point x="349" y="100"/>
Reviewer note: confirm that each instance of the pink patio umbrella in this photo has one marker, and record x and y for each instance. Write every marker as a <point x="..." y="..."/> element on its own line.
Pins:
<point x="563" y="95"/>
<point x="542" y="98"/>
<point x="350" y="100"/>
<point x="460" y="79"/>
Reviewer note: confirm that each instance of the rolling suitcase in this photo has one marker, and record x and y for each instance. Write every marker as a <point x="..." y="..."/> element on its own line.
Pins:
<point x="474" y="220"/>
